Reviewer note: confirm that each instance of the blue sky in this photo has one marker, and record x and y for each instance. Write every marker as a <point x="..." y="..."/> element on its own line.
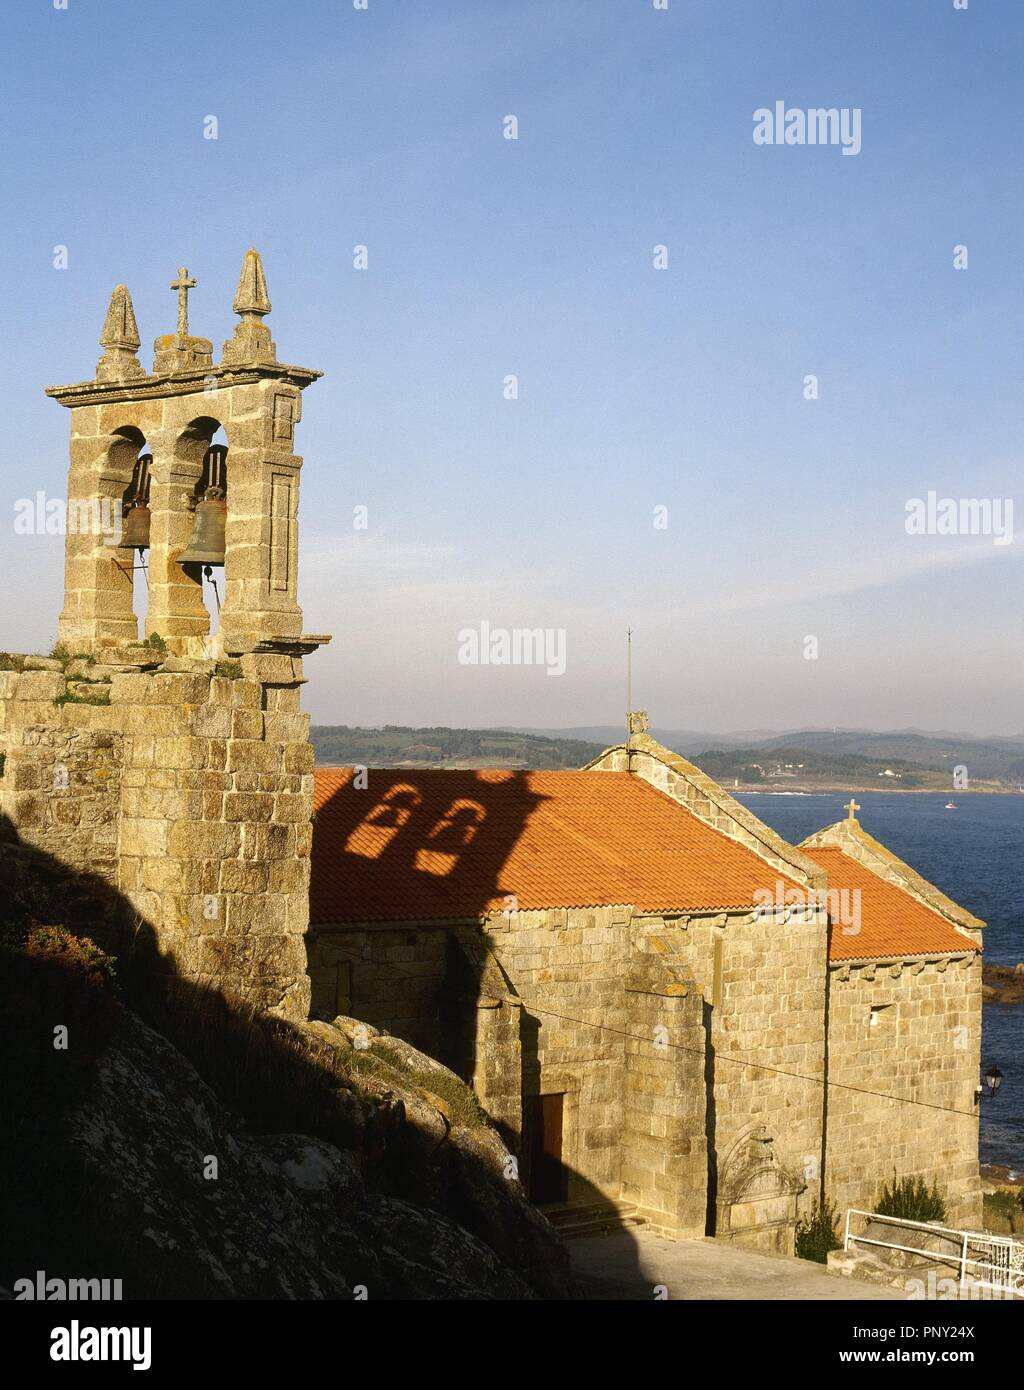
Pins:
<point x="638" y="388"/>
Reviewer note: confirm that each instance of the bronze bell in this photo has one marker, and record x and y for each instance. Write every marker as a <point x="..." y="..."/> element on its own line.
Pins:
<point x="136" y="527"/>
<point x="206" y="544"/>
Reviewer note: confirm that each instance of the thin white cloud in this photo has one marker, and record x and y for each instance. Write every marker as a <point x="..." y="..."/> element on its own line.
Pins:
<point x="848" y="571"/>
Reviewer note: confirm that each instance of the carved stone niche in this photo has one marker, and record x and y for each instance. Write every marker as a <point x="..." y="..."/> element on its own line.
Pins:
<point x="756" y="1200"/>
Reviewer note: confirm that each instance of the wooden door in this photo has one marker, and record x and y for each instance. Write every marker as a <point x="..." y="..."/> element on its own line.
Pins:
<point x="547" y="1172"/>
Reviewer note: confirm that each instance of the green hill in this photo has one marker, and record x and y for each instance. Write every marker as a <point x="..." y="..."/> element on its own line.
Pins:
<point x="396" y="746"/>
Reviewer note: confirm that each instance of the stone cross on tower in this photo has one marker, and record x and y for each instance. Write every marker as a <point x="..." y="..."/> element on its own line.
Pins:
<point x="183" y="284"/>
<point x="852" y="807"/>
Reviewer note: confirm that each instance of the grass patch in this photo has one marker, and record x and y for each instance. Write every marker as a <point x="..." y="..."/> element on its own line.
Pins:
<point x="1003" y="1212"/>
<point x="388" y="1064"/>
<point x="232" y="670"/>
<point x="461" y="1102"/>
<point x="390" y="1055"/>
<point x="102" y="697"/>
<point x="463" y="1106"/>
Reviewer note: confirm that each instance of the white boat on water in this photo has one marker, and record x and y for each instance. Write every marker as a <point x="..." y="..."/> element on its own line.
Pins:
<point x="951" y="806"/>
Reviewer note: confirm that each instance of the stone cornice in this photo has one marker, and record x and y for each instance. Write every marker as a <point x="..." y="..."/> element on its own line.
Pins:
<point x="927" y="958"/>
<point x="304" y="645"/>
<point x="193" y="382"/>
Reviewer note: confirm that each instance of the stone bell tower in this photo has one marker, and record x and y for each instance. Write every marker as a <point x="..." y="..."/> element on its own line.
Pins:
<point x="175" y="777"/>
<point x="177" y="409"/>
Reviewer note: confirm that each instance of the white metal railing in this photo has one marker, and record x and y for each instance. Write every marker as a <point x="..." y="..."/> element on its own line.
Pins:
<point x="1002" y="1257"/>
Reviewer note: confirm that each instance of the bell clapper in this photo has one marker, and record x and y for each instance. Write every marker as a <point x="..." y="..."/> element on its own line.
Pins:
<point x="208" y="573"/>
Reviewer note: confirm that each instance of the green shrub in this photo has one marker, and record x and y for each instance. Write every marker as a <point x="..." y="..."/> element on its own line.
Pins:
<point x="816" y="1235"/>
<point x="911" y="1199"/>
<point x="231" y="669"/>
<point x="156" y="641"/>
<point x="75" y="953"/>
<point x="60" y="652"/>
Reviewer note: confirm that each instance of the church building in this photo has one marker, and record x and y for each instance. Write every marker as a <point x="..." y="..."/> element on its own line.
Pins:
<point x="663" y="1005"/>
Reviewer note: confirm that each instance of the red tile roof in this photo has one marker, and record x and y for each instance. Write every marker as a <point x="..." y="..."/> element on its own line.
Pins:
<point x="426" y="845"/>
<point x="884" y="921"/>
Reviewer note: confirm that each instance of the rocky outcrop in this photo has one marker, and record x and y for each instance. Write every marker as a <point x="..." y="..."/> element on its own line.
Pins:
<point x="1003" y="984"/>
<point x="193" y="1147"/>
<point x="208" y="1210"/>
<point x="433" y="1145"/>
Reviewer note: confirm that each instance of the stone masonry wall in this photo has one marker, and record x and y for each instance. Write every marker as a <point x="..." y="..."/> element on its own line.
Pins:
<point x="560" y="1005"/>
<point x="925" y="1046"/>
<point x="394" y="975"/>
<point x="765" y="1001"/>
<point x="664" y="1148"/>
<point x="62" y="778"/>
<point x="567" y="966"/>
<point x="189" y="793"/>
<point x="419" y="984"/>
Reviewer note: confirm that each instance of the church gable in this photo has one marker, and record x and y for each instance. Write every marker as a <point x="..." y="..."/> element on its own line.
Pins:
<point x="902" y="912"/>
<point x="708" y="802"/>
<point x="878" y="919"/>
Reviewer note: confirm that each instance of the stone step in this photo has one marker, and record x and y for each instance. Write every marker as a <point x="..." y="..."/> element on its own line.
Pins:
<point x="596" y="1226"/>
<point x="590" y="1218"/>
<point x="558" y="1211"/>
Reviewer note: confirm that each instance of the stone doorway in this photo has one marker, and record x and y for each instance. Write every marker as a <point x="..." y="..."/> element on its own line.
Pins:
<point x="548" y="1174"/>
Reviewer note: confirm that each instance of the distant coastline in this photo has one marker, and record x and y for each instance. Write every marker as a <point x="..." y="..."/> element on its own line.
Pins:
<point x="808" y="764"/>
<point x="831" y="788"/>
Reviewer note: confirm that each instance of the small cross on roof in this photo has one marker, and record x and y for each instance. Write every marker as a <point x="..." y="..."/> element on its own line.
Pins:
<point x="852" y="807"/>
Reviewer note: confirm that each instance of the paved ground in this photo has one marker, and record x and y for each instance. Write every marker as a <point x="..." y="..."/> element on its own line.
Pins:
<point x="631" y="1264"/>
